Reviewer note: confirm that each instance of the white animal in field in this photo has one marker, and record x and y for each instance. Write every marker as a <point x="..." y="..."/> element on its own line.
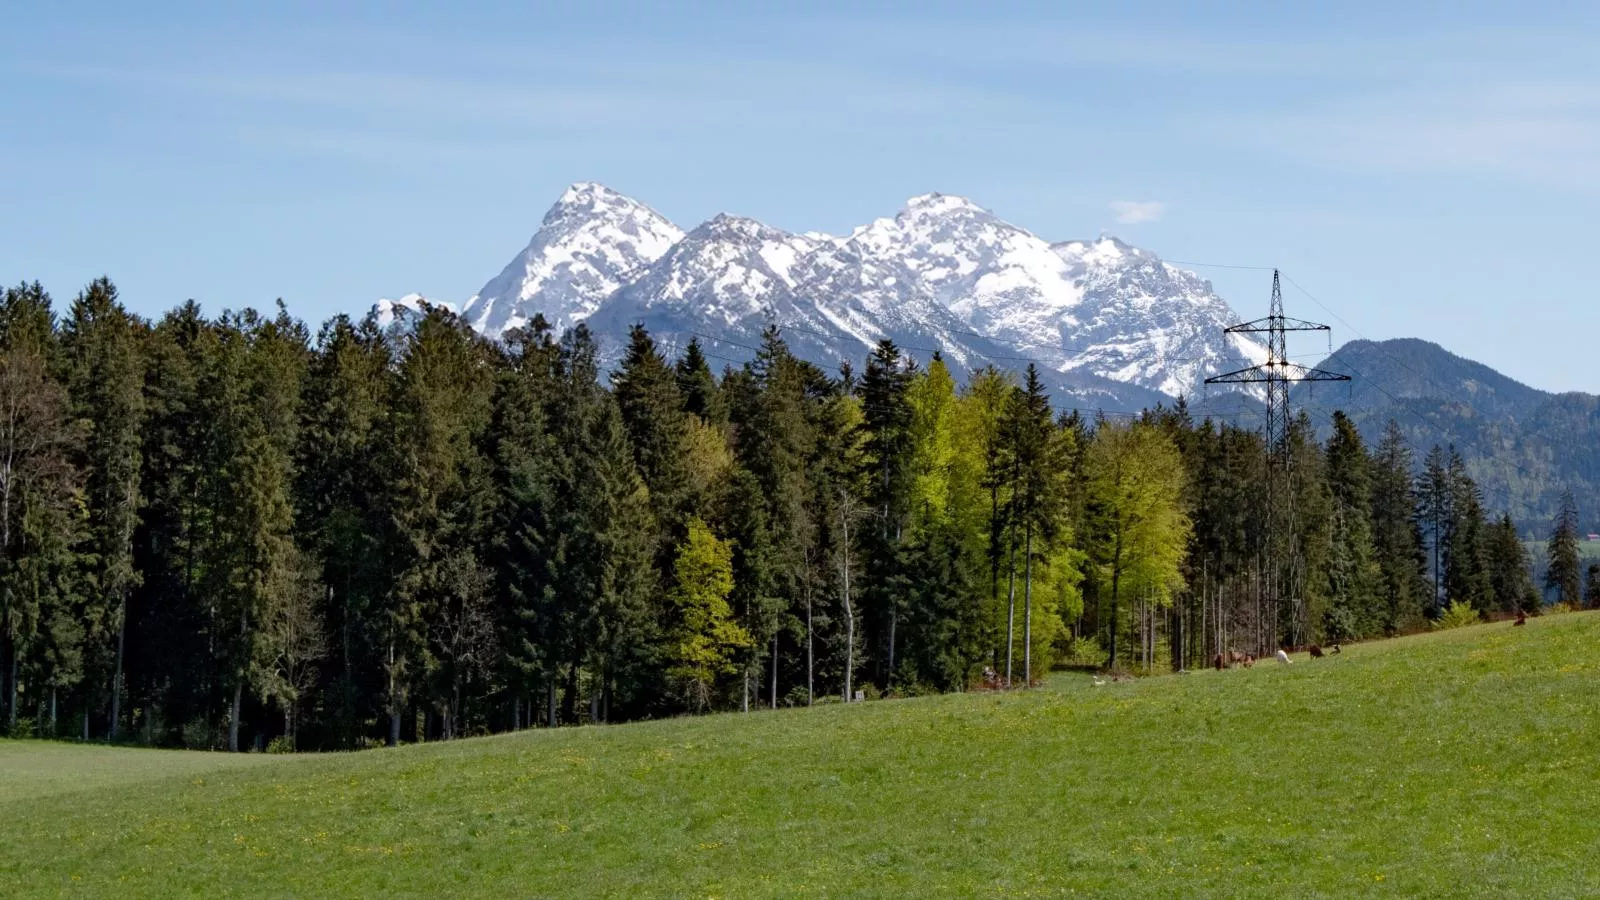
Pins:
<point x="1283" y="657"/>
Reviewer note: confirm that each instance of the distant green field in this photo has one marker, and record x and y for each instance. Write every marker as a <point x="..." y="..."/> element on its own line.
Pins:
<point x="1458" y="764"/>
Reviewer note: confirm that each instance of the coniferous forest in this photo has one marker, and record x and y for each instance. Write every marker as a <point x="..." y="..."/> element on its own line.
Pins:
<point x="235" y="532"/>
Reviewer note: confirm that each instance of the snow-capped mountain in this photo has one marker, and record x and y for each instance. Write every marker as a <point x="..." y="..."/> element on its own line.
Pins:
<point x="1106" y="322"/>
<point x="592" y="242"/>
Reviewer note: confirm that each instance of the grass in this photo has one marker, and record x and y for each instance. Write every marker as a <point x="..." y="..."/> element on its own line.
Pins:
<point x="1463" y="763"/>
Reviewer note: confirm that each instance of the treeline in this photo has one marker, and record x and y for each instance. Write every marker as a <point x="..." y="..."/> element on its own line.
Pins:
<point x="221" y="532"/>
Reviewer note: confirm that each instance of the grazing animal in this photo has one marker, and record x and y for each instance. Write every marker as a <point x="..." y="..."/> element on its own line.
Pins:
<point x="1098" y="681"/>
<point x="1219" y="662"/>
<point x="1235" y="658"/>
<point x="1283" y="657"/>
<point x="1249" y="661"/>
<point x="1315" y="651"/>
<point x="1522" y="618"/>
<point x="1336" y="648"/>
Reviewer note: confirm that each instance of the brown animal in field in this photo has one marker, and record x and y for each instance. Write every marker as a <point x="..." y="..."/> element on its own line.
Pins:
<point x="1522" y="618"/>
<point x="1315" y="651"/>
<point x="1219" y="663"/>
<point x="1237" y="658"/>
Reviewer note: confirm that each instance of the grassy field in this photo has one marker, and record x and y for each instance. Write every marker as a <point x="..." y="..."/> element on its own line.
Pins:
<point x="1456" y="764"/>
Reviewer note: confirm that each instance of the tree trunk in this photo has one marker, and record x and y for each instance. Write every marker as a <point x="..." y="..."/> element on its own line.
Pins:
<point x="849" y="612"/>
<point x="1116" y="585"/>
<point x="894" y="620"/>
<point x="11" y="690"/>
<point x="233" y="716"/>
<point x="550" y="700"/>
<point x="811" y="689"/>
<point x="394" y="703"/>
<point x="1027" y="610"/>
<point x="116" y="676"/>
<point x="52" y="711"/>
<point x="774" y="670"/>
<point x="1011" y="606"/>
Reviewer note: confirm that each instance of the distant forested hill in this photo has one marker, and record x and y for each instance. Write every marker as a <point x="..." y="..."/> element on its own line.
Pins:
<point x="1521" y="444"/>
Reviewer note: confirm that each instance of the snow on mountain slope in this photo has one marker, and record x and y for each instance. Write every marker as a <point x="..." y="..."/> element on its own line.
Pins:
<point x="591" y="242"/>
<point x="1144" y="321"/>
<point x="1102" y="318"/>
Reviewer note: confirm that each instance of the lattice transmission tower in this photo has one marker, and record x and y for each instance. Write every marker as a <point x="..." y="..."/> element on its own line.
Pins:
<point x="1277" y="373"/>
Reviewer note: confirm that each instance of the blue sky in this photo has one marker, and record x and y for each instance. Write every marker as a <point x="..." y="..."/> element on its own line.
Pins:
<point x="1428" y="170"/>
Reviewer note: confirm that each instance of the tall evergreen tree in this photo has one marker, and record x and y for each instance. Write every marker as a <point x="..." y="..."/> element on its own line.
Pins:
<point x="886" y="427"/>
<point x="1397" y="532"/>
<point x="39" y="491"/>
<point x="1563" y="575"/>
<point x="1510" y="577"/>
<point x="439" y="502"/>
<point x="1353" y="574"/>
<point x="341" y="504"/>
<point x="698" y="387"/>
<point x="107" y="386"/>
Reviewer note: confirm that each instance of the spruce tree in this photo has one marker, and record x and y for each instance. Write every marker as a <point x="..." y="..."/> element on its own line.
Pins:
<point x="1397" y="532"/>
<point x="698" y="387"/>
<point x="340" y="502"/>
<point x="439" y="501"/>
<point x="1509" y="572"/>
<point x="1564" y="575"/>
<point x="886" y="425"/>
<point x="647" y="394"/>
<point x="107" y="386"/>
<point x="1353" y="574"/>
<point x="1436" y="515"/>
<point x="40" y="491"/>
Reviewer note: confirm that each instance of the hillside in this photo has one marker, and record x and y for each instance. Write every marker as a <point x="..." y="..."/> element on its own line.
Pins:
<point x="1452" y="764"/>
<point x="1523" y="446"/>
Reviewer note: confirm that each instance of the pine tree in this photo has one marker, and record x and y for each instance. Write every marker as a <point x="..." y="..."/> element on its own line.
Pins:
<point x="107" y="386"/>
<point x="1564" y="575"/>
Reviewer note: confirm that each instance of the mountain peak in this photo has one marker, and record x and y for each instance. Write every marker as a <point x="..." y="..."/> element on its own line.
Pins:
<point x="941" y="204"/>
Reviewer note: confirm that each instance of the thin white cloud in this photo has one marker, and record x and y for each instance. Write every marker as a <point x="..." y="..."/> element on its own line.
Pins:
<point x="1133" y="212"/>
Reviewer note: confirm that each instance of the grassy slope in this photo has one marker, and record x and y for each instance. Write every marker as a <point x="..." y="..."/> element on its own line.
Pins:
<point x="1446" y="765"/>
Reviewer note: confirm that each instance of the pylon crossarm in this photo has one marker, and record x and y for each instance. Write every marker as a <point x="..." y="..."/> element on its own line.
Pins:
<point x="1302" y="373"/>
<point x="1270" y="324"/>
<point x="1244" y="376"/>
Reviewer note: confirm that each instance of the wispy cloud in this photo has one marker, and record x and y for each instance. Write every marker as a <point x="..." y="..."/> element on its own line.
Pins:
<point x="1133" y="212"/>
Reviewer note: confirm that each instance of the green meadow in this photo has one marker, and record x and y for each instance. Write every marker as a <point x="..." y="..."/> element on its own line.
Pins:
<point x="1462" y="763"/>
